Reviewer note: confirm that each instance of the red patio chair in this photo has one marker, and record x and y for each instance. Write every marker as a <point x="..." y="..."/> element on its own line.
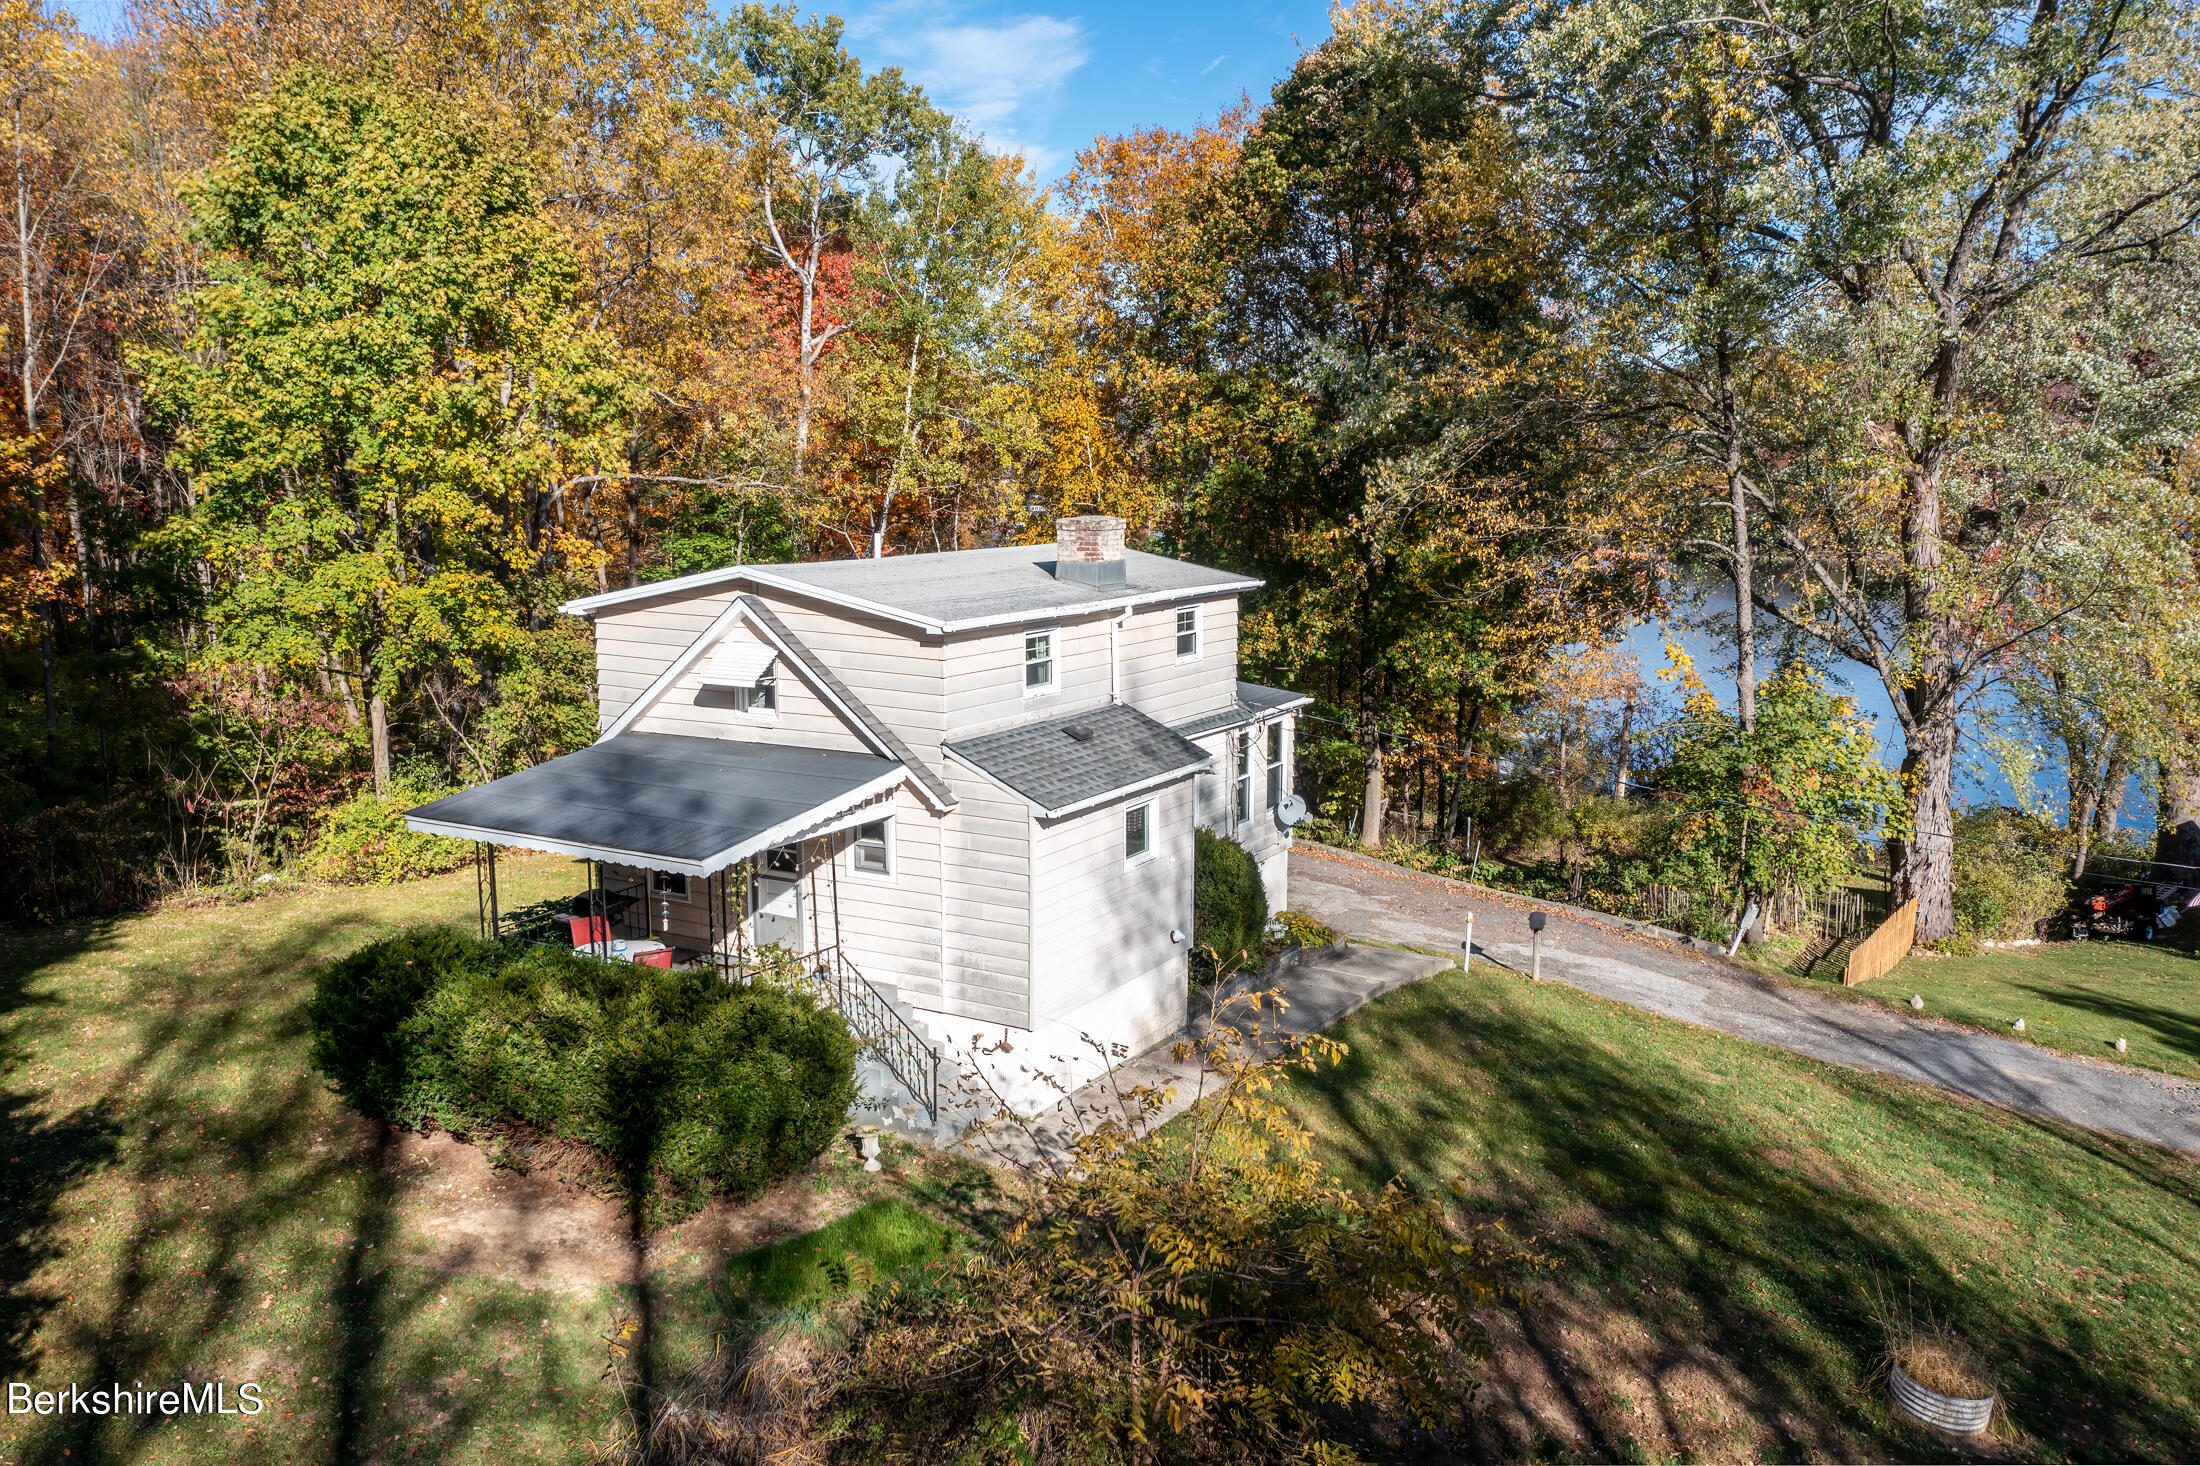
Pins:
<point x="662" y="958"/>
<point x="590" y="930"/>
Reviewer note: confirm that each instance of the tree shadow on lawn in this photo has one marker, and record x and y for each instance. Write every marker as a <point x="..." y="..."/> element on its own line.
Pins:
<point x="1733" y="1256"/>
<point x="246" y="1183"/>
<point x="2173" y="1030"/>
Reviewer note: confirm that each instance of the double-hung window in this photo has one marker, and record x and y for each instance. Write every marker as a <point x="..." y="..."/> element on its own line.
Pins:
<point x="668" y="885"/>
<point x="1137" y="833"/>
<point x="1038" y="662"/>
<point x="1187" y="634"/>
<point x="1242" y="795"/>
<point x="1276" y="789"/>
<point x="872" y="854"/>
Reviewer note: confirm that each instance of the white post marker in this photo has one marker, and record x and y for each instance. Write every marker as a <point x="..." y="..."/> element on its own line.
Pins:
<point x="1466" y="948"/>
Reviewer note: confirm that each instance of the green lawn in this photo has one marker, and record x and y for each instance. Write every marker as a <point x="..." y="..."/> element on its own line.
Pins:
<point x="185" y="1198"/>
<point x="1727" y="1224"/>
<point x="869" y="1245"/>
<point x="2079" y="997"/>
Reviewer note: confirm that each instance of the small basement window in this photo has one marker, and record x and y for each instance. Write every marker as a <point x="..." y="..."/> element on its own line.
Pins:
<point x="1137" y="832"/>
<point x="1187" y="634"/>
<point x="669" y="884"/>
<point x="761" y="698"/>
<point x="873" y="851"/>
<point x="1038" y="662"/>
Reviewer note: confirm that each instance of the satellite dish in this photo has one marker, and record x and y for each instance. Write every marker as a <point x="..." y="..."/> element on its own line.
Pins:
<point x="1290" y="810"/>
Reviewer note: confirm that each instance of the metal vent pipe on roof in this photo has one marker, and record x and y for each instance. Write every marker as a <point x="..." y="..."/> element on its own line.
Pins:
<point x="1088" y="549"/>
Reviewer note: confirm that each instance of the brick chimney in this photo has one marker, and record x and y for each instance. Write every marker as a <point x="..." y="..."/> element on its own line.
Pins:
<point x="1089" y="550"/>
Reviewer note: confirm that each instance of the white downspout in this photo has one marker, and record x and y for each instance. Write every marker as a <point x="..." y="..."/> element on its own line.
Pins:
<point x="1115" y="655"/>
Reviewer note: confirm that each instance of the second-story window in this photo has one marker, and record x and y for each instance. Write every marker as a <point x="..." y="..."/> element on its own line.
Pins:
<point x="1243" y="792"/>
<point x="1038" y="662"/>
<point x="1276" y="789"/>
<point x="761" y="698"/>
<point x="1187" y="634"/>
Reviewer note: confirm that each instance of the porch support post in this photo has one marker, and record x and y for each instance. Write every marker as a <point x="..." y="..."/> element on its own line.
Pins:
<point x="481" y="897"/>
<point x="496" y="916"/>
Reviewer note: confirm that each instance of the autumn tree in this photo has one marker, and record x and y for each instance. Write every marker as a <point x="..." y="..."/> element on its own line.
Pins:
<point x="387" y="383"/>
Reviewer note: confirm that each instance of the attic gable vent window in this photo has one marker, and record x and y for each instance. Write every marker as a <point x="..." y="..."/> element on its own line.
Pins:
<point x="745" y="668"/>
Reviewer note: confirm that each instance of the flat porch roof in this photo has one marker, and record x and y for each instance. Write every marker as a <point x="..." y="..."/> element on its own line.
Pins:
<point x="666" y="801"/>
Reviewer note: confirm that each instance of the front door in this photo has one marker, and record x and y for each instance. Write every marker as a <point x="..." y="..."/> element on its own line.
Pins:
<point x="777" y="916"/>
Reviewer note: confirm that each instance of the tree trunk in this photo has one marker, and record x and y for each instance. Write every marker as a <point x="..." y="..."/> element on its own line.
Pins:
<point x="1468" y="725"/>
<point x="378" y="735"/>
<point x="1626" y="733"/>
<point x="2177" y="824"/>
<point x="2108" y="811"/>
<point x="1923" y="866"/>
<point x="1371" y="798"/>
<point x="1745" y="553"/>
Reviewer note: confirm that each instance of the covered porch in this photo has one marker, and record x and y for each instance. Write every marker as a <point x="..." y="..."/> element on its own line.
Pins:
<point x="699" y="852"/>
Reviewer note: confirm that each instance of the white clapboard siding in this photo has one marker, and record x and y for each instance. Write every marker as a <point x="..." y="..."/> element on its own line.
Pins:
<point x="1099" y="924"/>
<point x="802" y="719"/>
<point x="636" y="642"/>
<point x="891" y="928"/>
<point x="893" y="669"/>
<point x="986" y="903"/>
<point x="1169" y="691"/>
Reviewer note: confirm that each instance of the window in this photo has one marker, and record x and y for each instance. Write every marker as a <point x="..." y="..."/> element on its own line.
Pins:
<point x="1137" y="832"/>
<point x="1276" y="789"/>
<point x="1187" y="634"/>
<point x="783" y="860"/>
<point x="1243" y="789"/>
<point x="1038" y="662"/>
<point x="762" y="698"/>
<point x="872" y="854"/>
<point x="668" y="884"/>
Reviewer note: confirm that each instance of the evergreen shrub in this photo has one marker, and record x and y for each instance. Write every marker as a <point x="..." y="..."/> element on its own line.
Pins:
<point x="1229" y="902"/>
<point x="686" y="1085"/>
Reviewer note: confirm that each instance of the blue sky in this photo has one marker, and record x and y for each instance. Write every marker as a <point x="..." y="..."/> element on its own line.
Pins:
<point x="1045" y="82"/>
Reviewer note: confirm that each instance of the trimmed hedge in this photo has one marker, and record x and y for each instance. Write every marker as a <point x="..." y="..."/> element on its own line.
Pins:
<point x="686" y="1085"/>
<point x="1229" y="902"/>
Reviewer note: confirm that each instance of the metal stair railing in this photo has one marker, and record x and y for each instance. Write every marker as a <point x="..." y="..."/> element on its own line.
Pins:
<point x="870" y="1016"/>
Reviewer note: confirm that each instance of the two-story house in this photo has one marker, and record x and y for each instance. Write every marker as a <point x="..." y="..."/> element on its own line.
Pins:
<point x="972" y="776"/>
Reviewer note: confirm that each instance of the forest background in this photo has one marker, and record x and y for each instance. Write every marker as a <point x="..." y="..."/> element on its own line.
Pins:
<point x="345" y="340"/>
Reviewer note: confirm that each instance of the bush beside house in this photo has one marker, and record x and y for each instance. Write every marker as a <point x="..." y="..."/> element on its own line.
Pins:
<point x="1229" y="900"/>
<point x="685" y="1085"/>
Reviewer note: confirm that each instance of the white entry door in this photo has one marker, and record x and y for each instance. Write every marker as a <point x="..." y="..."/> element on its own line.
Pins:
<point x="778" y="913"/>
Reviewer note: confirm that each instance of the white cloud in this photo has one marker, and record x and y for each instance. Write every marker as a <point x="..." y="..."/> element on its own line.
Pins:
<point x="1002" y="78"/>
<point x="1210" y="66"/>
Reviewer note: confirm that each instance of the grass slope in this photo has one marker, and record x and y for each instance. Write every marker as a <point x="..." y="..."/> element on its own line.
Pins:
<point x="1721" y="1217"/>
<point x="881" y="1237"/>
<point x="183" y="1197"/>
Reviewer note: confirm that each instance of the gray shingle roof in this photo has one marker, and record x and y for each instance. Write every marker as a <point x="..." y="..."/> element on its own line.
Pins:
<point x="1253" y="702"/>
<point x="1082" y="758"/>
<point x="669" y="800"/>
<point x="958" y="590"/>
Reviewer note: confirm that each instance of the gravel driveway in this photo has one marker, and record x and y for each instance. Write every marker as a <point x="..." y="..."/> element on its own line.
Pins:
<point x="1372" y="899"/>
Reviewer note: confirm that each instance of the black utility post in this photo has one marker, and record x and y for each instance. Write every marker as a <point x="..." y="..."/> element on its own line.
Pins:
<point x="1535" y="945"/>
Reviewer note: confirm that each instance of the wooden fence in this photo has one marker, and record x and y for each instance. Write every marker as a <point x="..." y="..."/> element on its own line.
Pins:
<point x="1877" y="954"/>
<point x="1827" y="917"/>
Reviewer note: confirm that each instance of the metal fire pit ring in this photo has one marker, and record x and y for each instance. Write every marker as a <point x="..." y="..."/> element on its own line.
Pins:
<point x="1942" y="1412"/>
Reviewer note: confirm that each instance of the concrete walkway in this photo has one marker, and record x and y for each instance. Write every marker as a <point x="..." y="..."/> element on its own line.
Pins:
<point x="1372" y="899"/>
<point x="1321" y="990"/>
